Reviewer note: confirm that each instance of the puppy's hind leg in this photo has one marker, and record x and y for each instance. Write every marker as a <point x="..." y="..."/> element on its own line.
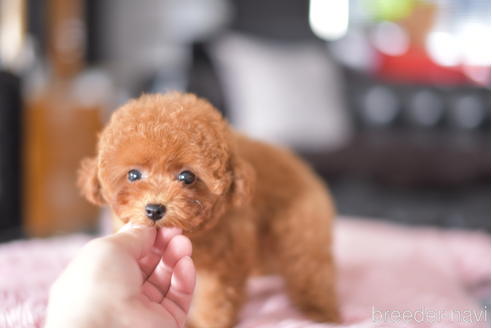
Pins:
<point x="303" y="250"/>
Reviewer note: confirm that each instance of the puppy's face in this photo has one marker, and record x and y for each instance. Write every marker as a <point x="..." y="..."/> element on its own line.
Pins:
<point x="167" y="161"/>
<point x="151" y="181"/>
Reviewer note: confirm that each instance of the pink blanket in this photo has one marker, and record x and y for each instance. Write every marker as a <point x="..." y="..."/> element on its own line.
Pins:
<point x="389" y="276"/>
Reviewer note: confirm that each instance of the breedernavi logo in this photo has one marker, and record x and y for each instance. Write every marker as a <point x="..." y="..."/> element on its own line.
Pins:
<point x="429" y="315"/>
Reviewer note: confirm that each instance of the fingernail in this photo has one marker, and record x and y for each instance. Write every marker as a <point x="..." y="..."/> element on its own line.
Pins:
<point x="172" y="230"/>
<point x="130" y="226"/>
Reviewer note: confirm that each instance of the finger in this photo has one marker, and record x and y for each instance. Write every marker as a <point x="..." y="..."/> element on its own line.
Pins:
<point x="178" y="300"/>
<point x="176" y="312"/>
<point x="152" y="292"/>
<point x="179" y="247"/>
<point x="135" y="240"/>
<point x="164" y="236"/>
<point x="149" y="261"/>
<point x="182" y="283"/>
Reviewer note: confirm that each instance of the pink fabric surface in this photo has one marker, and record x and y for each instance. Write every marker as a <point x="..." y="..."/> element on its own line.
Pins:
<point x="382" y="267"/>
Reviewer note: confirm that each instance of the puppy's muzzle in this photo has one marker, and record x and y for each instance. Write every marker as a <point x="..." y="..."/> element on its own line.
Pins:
<point x="155" y="211"/>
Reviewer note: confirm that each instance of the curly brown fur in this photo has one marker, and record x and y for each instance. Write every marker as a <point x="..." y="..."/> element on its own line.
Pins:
<point x="254" y="207"/>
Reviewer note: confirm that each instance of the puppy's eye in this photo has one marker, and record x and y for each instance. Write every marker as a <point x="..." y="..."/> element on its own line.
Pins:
<point x="134" y="175"/>
<point x="186" y="177"/>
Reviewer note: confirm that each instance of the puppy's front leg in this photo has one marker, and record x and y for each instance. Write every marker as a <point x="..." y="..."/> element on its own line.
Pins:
<point x="217" y="300"/>
<point x="224" y="257"/>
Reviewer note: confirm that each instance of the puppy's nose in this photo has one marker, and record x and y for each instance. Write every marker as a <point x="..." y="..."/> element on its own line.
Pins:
<point x="155" y="211"/>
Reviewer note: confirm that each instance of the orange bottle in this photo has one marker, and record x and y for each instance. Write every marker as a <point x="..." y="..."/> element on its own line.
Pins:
<point x="60" y="126"/>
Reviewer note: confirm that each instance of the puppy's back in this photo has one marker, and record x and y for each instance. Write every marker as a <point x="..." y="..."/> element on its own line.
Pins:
<point x="281" y="177"/>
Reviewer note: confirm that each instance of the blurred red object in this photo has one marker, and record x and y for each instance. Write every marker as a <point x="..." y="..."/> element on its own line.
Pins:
<point x="415" y="66"/>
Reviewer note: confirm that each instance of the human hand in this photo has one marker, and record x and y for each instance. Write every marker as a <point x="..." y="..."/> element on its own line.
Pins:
<point x="137" y="277"/>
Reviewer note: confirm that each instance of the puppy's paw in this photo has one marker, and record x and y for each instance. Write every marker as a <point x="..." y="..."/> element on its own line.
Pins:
<point x="325" y="315"/>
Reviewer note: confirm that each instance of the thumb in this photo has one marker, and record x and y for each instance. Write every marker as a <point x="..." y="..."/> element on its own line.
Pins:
<point x="136" y="240"/>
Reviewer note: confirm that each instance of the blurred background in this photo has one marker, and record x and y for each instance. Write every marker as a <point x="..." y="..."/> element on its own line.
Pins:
<point x="389" y="100"/>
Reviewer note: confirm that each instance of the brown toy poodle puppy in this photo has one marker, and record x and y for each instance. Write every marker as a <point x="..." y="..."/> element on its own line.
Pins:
<point x="248" y="207"/>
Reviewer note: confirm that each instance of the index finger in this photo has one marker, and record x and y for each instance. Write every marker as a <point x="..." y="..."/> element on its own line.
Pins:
<point x="151" y="259"/>
<point x="135" y="240"/>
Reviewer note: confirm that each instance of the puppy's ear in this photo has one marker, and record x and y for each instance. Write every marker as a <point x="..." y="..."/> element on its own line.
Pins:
<point x="243" y="183"/>
<point x="88" y="181"/>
